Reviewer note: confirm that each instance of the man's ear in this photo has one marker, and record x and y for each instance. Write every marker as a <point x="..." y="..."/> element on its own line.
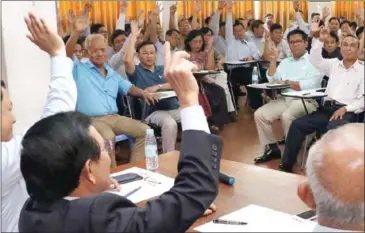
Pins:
<point x="306" y="195"/>
<point x="87" y="172"/>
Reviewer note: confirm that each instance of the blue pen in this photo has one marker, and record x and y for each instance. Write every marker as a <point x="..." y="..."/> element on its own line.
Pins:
<point x="132" y="192"/>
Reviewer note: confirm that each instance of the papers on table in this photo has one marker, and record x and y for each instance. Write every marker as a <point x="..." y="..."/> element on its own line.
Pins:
<point x="269" y="86"/>
<point x="259" y="219"/>
<point x="152" y="185"/>
<point x="165" y="94"/>
<point x="206" y="72"/>
<point x="315" y="93"/>
<point x="240" y="62"/>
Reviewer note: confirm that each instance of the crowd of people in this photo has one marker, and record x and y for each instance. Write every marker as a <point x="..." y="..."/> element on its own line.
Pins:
<point x="55" y="173"/>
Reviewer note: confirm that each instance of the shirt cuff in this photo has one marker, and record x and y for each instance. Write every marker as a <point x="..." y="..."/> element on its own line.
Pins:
<point x="61" y="65"/>
<point x="350" y="108"/>
<point x="193" y="118"/>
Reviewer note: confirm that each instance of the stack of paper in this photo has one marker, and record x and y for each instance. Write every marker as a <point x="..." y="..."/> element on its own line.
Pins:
<point x="259" y="219"/>
<point x="152" y="185"/>
<point x="166" y="94"/>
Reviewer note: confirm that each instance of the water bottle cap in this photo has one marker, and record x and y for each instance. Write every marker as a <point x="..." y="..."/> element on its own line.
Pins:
<point x="231" y="180"/>
<point x="149" y="131"/>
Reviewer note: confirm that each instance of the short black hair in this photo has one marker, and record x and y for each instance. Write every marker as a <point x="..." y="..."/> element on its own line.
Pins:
<point x="334" y="18"/>
<point x="314" y="14"/>
<point x="192" y="34"/>
<point x="117" y="33"/>
<point x="54" y="152"/>
<point x="66" y="38"/>
<point x="145" y="43"/>
<point x="249" y="23"/>
<point x="81" y="41"/>
<point x="353" y="24"/>
<point x="237" y="23"/>
<point x="359" y="31"/>
<point x="240" y="19"/>
<point x="297" y="32"/>
<point x="222" y="24"/>
<point x="268" y="15"/>
<point x="345" y="22"/>
<point x="205" y="30"/>
<point x="3" y="86"/>
<point x="349" y="35"/>
<point x="207" y="20"/>
<point x="256" y="24"/>
<point x="127" y="29"/>
<point x="275" y="26"/>
<point x="170" y="31"/>
<point x="334" y="35"/>
<point x="190" y="19"/>
<point x="94" y="28"/>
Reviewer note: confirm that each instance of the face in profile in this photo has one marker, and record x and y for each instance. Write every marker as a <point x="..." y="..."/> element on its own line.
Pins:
<point x="350" y="48"/>
<point x="104" y="32"/>
<point x="7" y="117"/>
<point x="147" y="55"/>
<point x="98" y="51"/>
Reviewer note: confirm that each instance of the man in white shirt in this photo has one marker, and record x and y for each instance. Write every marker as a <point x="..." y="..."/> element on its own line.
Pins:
<point x="344" y="91"/>
<point x="61" y="97"/>
<point x="269" y="20"/>
<point x="277" y="41"/>
<point x="258" y="31"/>
<point x="334" y="187"/>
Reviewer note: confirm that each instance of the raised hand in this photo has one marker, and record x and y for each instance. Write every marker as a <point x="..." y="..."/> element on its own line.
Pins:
<point x="43" y="37"/>
<point x="323" y="34"/>
<point x="141" y="18"/>
<point x="173" y="9"/>
<point x="123" y="7"/>
<point x="197" y="7"/>
<point x="249" y="15"/>
<point x="81" y="23"/>
<point x="357" y="11"/>
<point x="87" y="8"/>
<point x="296" y="5"/>
<point x="230" y="5"/>
<point x="325" y="12"/>
<point x="315" y="27"/>
<point x="274" y="53"/>
<point x="70" y="16"/>
<point x="135" y="29"/>
<point x="178" y="72"/>
<point x="222" y="5"/>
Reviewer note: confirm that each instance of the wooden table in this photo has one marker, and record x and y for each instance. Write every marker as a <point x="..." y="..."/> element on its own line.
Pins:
<point x="254" y="185"/>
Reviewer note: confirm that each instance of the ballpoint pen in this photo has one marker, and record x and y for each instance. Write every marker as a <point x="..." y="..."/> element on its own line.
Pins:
<point x="132" y="192"/>
<point x="229" y="222"/>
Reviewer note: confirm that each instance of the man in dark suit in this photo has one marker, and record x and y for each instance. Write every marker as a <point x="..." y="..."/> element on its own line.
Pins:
<point x="65" y="165"/>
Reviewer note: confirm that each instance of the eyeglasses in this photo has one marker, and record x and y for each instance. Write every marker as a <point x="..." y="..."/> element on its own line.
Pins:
<point x="296" y="42"/>
<point x="108" y="146"/>
<point x="149" y="179"/>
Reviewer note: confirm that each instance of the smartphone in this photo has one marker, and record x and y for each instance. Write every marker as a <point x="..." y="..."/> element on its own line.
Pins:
<point x="127" y="178"/>
<point x="307" y="214"/>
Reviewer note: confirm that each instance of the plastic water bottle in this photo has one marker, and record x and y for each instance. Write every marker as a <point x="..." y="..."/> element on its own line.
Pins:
<point x="255" y="75"/>
<point x="151" y="151"/>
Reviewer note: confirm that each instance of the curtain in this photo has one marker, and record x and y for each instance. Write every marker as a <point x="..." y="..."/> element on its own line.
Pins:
<point x="186" y="9"/>
<point x="346" y="8"/>
<point x="283" y="11"/>
<point x="105" y="12"/>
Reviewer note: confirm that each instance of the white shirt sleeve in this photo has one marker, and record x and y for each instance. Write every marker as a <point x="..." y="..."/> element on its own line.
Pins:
<point x="315" y="57"/>
<point x="193" y="118"/>
<point x="229" y="38"/>
<point x="61" y="97"/>
<point x="121" y="22"/>
<point x="301" y="23"/>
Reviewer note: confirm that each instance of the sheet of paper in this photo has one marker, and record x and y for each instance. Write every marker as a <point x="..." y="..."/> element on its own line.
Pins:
<point x="306" y="93"/>
<point x="239" y="62"/>
<point x="259" y="219"/>
<point x="166" y="94"/>
<point x="258" y="86"/>
<point x="152" y="185"/>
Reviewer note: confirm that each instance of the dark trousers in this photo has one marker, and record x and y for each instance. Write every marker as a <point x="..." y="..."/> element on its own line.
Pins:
<point x="317" y="121"/>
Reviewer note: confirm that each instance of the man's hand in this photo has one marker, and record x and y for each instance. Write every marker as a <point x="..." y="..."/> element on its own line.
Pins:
<point x="141" y="18"/>
<point x="230" y="5"/>
<point x="135" y="29"/>
<point x="249" y="15"/>
<point x="153" y="89"/>
<point x="296" y="5"/>
<point x="197" y="7"/>
<point x="81" y="23"/>
<point x="43" y="37"/>
<point x="70" y="16"/>
<point x="212" y="208"/>
<point x="173" y="9"/>
<point x="123" y="7"/>
<point x="325" y="12"/>
<point x="323" y="34"/>
<point x="178" y="72"/>
<point x="221" y="5"/>
<point x="274" y="53"/>
<point x="149" y="98"/>
<point x="339" y="114"/>
<point x="114" y="185"/>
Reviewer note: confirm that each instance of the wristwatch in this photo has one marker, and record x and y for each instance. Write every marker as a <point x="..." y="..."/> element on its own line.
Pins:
<point x="159" y="86"/>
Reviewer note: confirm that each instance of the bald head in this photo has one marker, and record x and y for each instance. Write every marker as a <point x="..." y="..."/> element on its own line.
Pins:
<point x="335" y="170"/>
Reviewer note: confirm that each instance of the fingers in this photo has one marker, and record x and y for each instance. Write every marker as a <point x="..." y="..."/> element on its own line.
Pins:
<point x="207" y="212"/>
<point x="34" y="25"/>
<point x="213" y="207"/>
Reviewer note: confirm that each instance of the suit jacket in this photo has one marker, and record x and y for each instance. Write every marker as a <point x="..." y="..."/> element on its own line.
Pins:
<point x="195" y="188"/>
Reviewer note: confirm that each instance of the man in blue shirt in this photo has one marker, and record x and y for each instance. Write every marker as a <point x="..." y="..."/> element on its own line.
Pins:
<point x="300" y="74"/>
<point x="150" y="77"/>
<point x="97" y="88"/>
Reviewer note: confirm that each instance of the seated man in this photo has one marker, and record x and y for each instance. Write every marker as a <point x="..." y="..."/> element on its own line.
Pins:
<point x="277" y="41"/>
<point x="66" y="183"/>
<point x="344" y="91"/>
<point x="102" y="30"/>
<point x="300" y="74"/>
<point x="335" y="184"/>
<point x="97" y="89"/>
<point x="150" y="77"/>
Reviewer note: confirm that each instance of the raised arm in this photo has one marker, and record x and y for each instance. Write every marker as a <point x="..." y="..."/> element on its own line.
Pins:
<point x="194" y="23"/>
<point x="172" y="20"/>
<point x="210" y="65"/>
<point x="299" y="19"/>
<point x="129" y="56"/>
<point x="229" y="32"/>
<point x="122" y="16"/>
<point x="152" y="27"/>
<point x="214" y="22"/>
<point x="80" y="24"/>
<point x="359" y="15"/>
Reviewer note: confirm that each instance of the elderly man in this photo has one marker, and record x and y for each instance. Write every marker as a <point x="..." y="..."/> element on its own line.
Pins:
<point x="68" y="183"/>
<point x="335" y="184"/>
<point x="61" y="97"/>
<point x="97" y="87"/>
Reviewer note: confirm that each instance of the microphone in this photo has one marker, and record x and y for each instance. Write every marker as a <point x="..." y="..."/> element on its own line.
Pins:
<point x="226" y="179"/>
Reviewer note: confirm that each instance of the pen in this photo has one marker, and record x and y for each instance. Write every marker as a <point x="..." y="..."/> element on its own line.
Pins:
<point x="229" y="222"/>
<point x="308" y="93"/>
<point x="132" y="192"/>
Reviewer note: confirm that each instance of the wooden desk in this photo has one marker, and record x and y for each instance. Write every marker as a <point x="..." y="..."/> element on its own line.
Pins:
<point x="254" y="185"/>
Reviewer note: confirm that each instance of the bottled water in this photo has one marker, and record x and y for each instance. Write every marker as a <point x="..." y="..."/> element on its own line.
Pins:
<point x="255" y="75"/>
<point x="151" y="151"/>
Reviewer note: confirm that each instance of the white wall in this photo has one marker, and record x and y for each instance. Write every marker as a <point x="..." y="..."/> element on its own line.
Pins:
<point x="317" y="6"/>
<point x="27" y="67"/>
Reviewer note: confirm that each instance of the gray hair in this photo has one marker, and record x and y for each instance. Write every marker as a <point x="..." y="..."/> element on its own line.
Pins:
<point x="328" y="206"/>
<point x="92" y="37"/>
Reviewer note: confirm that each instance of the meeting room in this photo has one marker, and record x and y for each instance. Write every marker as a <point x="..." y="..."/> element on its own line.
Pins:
<point x="182" y="116"/>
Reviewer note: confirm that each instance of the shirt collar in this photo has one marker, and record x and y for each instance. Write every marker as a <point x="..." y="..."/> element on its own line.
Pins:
<point x="357" y="66"/>
<point x="90" y="65"/>
<point x="304" y="57"/>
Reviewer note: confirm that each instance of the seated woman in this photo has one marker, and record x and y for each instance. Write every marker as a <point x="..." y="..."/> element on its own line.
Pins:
<point x="203" y="56"/>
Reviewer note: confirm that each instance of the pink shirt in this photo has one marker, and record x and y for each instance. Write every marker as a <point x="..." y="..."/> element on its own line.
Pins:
<point x="200" y="59"/>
